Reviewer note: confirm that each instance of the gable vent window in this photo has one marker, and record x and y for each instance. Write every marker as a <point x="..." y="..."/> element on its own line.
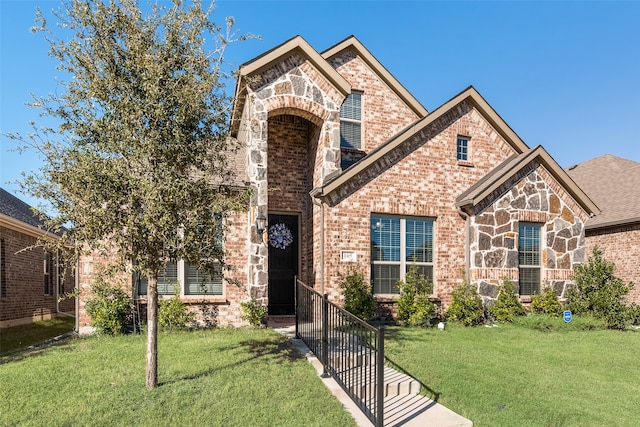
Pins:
<point x="462" y="149"/>
<point x="351" y="122"/>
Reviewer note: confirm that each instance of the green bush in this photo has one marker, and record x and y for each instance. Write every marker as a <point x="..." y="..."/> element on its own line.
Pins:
<point x="507" y="306"/>
<point x="173" y="313"/>
<point x="253" y="313"/>
<point x="466" y="306"/>
<point x="358" y="298"/>
<point x="414" y="307"/>
<point x="547" y="303"/>
<point x="599" y="292"/>
<point x="109" y="308"/>
<point x="634" y="314"/>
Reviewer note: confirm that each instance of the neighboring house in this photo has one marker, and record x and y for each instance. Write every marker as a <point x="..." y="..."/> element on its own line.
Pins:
<point x="31" y="279"/>
<point x="614" y="183"/>
<point x="349" y="171"/>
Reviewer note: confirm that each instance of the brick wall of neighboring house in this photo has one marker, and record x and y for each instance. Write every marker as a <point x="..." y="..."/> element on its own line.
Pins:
<point x="22" y="287"/>
<point x="384" y="114"/>
<point x="420" y="178"/>
<point x="210" y="310"/>
<point x="620" y="245"/>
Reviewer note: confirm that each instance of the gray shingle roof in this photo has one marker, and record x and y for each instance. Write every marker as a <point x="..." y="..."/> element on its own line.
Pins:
<point x="613" y="183"/>
<point x="15" y="208"/>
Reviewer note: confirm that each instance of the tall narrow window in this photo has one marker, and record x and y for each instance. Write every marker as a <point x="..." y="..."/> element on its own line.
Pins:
<point x="47" y="273"/>
<point x="351" y="122"/>
<point x="529" y="258"/>
<point x="396" y="244"/>
<point x="3" y="272"/>
<point x="462" y="149"/>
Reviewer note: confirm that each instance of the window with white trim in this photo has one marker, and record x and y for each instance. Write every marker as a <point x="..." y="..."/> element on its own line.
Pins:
<point x="351" y="122"/>
<point x="529" y="258"/>
<point x="48" y="277"/>
<point x="462" y="149"/>
<point x="397" y="243"/>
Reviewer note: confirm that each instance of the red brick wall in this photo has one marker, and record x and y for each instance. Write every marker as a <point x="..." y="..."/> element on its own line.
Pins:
<point x="620" y="245"/>
<point x="23" y="298"/>
<point x="424" y="179"/>
<point x="384" y="113"/>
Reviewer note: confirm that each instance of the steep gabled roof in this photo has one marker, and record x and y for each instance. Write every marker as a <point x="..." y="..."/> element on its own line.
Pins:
<point x="510" y="167"/>
<point x="469" y="95"/>
<point x="275" y="55"/>
<point x="352" y="42"/>
<point x="613" y="183"/>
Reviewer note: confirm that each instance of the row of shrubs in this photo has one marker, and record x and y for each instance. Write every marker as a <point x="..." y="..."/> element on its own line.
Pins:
<point x="598" y="293"/>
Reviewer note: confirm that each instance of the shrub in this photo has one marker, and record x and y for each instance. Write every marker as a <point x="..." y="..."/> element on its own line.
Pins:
<point x="466" y="306"/>
<point x="600" y="292"/>
<point x="507" y="306"/>
<point x="634" y="314"/>
<point x="109" y="308"/>
<point x="545" y="323"/>
<point x="253" y="313"/>
<point x="547" y="303"/>
<point x="358" y="298"/>
<point x="414" y="307"/>
<point x="174" y="313"/>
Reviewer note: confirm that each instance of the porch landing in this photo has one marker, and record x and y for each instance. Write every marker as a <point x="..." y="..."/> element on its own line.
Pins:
<point x="406" y="409"/>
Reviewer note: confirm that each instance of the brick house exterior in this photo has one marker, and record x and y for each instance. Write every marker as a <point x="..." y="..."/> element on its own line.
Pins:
<point x="30" y="279"/>
<point x="351" y="171"/>
<point x="613" y="182"/>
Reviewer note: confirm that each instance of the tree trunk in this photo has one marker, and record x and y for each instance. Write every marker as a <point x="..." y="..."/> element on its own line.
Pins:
<point x="152" y="329"/>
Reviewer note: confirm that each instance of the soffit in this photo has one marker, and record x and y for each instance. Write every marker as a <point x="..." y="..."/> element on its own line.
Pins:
<point x="352" y="42"/>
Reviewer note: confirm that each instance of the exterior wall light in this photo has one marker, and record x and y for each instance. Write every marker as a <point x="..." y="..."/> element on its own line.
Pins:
<point x="261" y="224"/>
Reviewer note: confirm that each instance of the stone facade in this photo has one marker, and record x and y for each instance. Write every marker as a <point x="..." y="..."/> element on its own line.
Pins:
<point x="527" y="197"/>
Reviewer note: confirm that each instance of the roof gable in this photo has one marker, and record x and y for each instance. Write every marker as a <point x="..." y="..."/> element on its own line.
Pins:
<point x="469" y="95"/>
<point x="510" y="167"/>
<point x="19" y="215"/>
<point x="352" y="42"/>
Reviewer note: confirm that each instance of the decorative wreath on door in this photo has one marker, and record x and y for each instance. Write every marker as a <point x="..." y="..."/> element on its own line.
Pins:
<point x="280" y="236"/>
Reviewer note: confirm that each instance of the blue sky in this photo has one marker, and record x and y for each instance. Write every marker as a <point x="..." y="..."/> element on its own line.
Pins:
<point x="565" y="75"/>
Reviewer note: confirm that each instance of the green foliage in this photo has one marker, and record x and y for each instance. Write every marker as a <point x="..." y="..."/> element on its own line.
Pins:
<point x="173" y="313"/>
<point x="634" y="314"/>
<point x="414" y="307"/>
<point x="109" y="308"/>
<point x="507" y="306"/>
<point x="358" y="298"/>
<point x="599" y="292"/>
<point x="547" y="303"/>
<point x="547" y="323"/>
<point x="466" y="306"/>
<point x="253" y="313"/>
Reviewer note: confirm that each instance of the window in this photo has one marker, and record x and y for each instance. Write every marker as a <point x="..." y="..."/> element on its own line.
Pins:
<point x="3" y="274"/>
<point x="196" y="282"/>
<point x="48" y="277"/>
<point x="350" y="122"/>
<point x="396" y="244"/>
<point x="529" y="258"/>
<point x="462" y="149"/>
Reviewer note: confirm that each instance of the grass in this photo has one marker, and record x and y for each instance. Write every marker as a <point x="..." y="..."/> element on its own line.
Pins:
<point x="526" y="374"/>
<point x="220" y="377"/>
<point x="19" y="337"/>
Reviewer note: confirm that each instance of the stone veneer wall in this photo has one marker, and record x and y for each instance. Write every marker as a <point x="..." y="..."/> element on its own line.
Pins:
<point x="528" y="197"/>
<point x="620" y="245"/>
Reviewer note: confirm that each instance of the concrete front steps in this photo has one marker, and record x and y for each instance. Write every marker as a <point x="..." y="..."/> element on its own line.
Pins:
<point x="403" y="406"/>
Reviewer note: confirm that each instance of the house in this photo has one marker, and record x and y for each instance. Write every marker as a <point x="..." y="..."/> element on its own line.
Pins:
<point x="613" y="182"/>
<point x="31" y="278"/>
<point x="349" y="170"/>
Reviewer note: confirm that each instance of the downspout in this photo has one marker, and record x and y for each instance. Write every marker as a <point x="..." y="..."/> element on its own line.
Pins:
<point x="467" y="249"/>
<point x="315" y="199"/>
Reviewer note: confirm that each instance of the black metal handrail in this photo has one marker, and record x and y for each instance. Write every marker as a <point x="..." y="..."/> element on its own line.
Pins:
<point x="351" y="350"/>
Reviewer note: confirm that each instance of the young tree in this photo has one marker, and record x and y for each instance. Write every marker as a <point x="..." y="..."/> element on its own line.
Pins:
<point x="138" y="164"/>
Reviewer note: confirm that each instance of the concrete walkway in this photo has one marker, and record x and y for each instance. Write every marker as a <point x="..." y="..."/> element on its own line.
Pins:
<point x="402" y="405"/>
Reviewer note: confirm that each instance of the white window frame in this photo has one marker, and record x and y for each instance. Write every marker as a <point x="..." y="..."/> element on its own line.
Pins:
<point x="466" y="150"/>
<point x="181" y="282"/>
<point x="353" y="121"/>
<point x="537" y="266"/>
<point x="404" y="264"/>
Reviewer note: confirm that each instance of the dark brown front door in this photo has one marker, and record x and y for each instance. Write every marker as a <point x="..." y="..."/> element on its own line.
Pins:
<point x="283" y="263"/>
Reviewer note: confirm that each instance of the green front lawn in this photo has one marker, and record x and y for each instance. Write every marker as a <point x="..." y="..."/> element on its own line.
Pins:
<point x="515" y="376"/>
<point x="221" y="377"/>
<point x="19" y="337"/>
